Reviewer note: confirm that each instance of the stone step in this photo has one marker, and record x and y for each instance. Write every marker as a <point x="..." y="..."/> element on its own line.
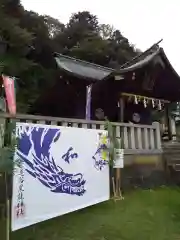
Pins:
<point x="172" y="156"/>
<point x="166" y="156"/>
<point x="172" y="151"/>
<point x="172" y="143"/>
<point x="172" y="162"/>
<point x="171" y="146"/>
<point x="176" y="167"/>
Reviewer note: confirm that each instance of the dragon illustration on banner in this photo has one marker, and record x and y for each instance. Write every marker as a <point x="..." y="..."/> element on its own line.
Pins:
<point x="34" y="145"/>
<point x="101" y="155"/>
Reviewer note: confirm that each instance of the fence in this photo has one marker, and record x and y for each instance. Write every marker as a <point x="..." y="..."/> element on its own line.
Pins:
<point x="136" y="138"/>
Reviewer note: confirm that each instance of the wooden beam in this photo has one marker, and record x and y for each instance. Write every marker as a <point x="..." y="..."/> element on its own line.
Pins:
<point x="121" y="103"/>
<point x="168" y="122"/>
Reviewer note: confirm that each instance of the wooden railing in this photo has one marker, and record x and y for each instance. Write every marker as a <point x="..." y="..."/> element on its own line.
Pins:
<point x="136" y="138"/>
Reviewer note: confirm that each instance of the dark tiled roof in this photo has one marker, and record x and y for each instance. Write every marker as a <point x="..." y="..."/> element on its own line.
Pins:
<point x="82" y="68"/>
<point x="155" y="55"/>
<point x="96" y="72"/>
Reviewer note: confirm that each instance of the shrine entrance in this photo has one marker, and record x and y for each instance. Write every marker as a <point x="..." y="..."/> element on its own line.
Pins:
<point x="141" y="92"/>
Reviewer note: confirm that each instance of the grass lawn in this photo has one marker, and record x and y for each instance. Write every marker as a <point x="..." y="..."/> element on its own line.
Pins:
<point x="144" y="214"/>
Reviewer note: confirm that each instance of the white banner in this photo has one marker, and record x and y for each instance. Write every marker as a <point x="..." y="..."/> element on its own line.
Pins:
<point x="63" y="170"/>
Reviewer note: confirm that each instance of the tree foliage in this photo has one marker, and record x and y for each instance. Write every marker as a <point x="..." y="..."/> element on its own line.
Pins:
<point x="32" y="40"/>
<point x="7" y="148"/>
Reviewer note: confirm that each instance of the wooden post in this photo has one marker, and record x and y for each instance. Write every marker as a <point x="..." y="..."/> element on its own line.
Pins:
<point x="121" y="103"/>
<point x="7" y="139"/>
<point x="7" y="208"/>
<point x="157" y="135"/>
<point x="118" y="170"/>
<point x="168" y="122"/>
<point x="173" y="129"/>
<point x="118" y="181"/>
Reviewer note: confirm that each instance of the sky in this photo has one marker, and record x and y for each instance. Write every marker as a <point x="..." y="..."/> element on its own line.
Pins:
<point x="143" y="22"/>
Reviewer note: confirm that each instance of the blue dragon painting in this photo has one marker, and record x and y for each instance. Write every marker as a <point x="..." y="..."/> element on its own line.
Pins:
<point x="34" y="145"/>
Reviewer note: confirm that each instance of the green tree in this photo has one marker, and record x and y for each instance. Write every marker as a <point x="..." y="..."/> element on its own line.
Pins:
<point x="32" y="40"/>
<point x="80" y="26"/>
<point x="106" y="31"/>
<point x="54" y="26"/>
<point x="85" y="38"/>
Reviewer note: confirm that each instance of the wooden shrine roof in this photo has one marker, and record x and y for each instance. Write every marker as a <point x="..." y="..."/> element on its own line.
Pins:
<point x="152" y="64"/>
<point x="149" y="68"/>
<point x="82" y="69"/>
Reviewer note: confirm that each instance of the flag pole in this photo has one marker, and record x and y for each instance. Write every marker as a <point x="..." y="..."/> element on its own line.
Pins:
<point x="7" y="209"/>
<point x="6" y="143"/>
<point x="88" y="101"/>
<point x="10" y="100"/>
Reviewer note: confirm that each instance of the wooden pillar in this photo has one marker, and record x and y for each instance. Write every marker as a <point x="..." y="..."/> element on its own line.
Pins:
<point x="118" y="170"/>
<point x="168" y="122"/>
<point x="173" y="129"/>
<point x="121" y="103"/>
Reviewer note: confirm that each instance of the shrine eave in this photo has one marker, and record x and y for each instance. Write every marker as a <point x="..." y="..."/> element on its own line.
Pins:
<point x="155" y="65"/>
<point x="81" y="69"/>
<point x="156" y="55"/>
